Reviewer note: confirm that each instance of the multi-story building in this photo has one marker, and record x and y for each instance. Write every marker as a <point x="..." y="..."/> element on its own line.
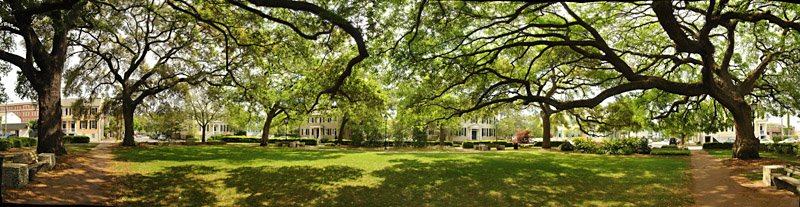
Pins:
<point x="86" y="121"/>
<point x="476" y="129"/>
<point x="319" y="126"/>
<point x="26" y="111"/>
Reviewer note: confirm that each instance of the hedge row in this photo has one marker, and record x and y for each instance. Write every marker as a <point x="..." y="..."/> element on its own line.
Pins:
<point x="781" y="148"/>
<point x="492" y="143"/>
<point x="252" y="139"/>
<point x="76" y="139"/>
<point x="17" y="142"/>
<point x="717" y="145"/>
<point x="609" y="146"/>
<point x="553" y="144"/>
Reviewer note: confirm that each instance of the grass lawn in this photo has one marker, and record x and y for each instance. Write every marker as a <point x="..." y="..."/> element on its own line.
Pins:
<point x="79" y="149"/>
<point x="726" y="153"/>
<point x="239" y="175"/>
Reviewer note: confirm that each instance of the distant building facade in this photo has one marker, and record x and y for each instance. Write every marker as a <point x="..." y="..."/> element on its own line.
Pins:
<point x="213" y="128"/>
<point x="476" y="129"/>
<point x="762" y="129"/>
<point x="87" y="122"/>
<point x="321" y="126"/>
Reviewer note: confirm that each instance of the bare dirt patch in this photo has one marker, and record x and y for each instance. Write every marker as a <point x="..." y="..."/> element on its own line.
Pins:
<point x="720" y="183"/>
<point x="80" y="179"/>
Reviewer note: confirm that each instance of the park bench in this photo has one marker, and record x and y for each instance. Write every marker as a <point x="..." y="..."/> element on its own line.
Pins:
<point x="24" y="167"/>
<point x="781" y="177"/>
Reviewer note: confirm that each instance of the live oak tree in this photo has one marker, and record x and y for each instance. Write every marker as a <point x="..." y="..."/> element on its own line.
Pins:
<point x="135" y="50"/>
<point x="44" y="28"/>
<point x="488" y="53"/>
<point x="309" y="21"/>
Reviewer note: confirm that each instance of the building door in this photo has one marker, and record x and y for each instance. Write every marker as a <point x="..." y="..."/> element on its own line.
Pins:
<point x="474" y="134"/>
<point x="316" y="132"/>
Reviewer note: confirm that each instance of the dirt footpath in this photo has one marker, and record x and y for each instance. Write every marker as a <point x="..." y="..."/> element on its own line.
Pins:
<point x="79" y="180"/>
<point x="715" y="185"/>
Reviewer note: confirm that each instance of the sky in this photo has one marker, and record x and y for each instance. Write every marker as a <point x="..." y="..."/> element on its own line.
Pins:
<point x="9" y="82"/>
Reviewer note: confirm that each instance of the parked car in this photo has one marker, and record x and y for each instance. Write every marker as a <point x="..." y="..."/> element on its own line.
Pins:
<point x="658" y="144"/>
<point x="766" y="141"/>
<point x="162" y="137"/>
<point x="9" y="135"/>
<point x="790" y="140"/>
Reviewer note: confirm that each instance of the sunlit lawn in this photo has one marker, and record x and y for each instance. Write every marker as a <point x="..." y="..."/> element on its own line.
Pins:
<point x="252" y="176"/>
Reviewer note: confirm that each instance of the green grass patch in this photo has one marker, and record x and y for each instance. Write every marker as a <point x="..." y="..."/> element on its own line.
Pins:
<point x="726" y="153"/>
<point x="241" y="175"/>
<point x="670" y="151"/>
<point x="78" y="149"/>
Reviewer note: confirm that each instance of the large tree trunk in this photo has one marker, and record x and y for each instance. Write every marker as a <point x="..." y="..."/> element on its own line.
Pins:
<point x="341" y="130"/>
<point x="442" y="135"/>
<point x="545" y="130"/>
<point x="128" y="109"/>
<point x="265" y="130"/>
<point x="50" y="132"/>
<point x="746" y="145"/>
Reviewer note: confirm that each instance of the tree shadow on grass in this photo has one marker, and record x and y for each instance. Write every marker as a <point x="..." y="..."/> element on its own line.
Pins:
<point x="509" y="182"/>
<point x="286" y="186"/>
<point x="232" y="154"/>
<point x="173" y="186"/>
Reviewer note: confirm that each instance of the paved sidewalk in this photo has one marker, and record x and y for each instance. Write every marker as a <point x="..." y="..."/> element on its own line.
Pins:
<point x="713" y="186"/>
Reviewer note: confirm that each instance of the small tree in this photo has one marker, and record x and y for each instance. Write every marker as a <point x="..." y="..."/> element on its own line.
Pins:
<point x="205" y="106"/>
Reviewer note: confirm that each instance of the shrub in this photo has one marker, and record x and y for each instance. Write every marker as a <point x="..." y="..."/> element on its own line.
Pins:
<point x="467" y="145"/>
<point x="643" y="147"/>
<point x="781" y="148"/>
<point x="76" y="139"/>
<point x="17" y="142"/>
<point x="491" y="143"/>
<point x="624" y="146"/>
<point x="5" y="144"/>
<point x="22" y="142"/>
<point x="585" y="145"/>
<point x="669" y="147"/>
<point x="307" y="141"/>
<point x="717" y="145"/>
<point x="240" y="139"/>
<point x="566" y="147"/>
<point x="670" y="152"/>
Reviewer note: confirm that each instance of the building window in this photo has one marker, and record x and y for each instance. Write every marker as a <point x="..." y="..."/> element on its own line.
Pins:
<point x="329" y="119"/>
<point x="334" y="132"/>
<point x="93" y="124"/>
<point x="84" y="124"/>
<point x="72" y="125"/>
<point x="64" y="125"/>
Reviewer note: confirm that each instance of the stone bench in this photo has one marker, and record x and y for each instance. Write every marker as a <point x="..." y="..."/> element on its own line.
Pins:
<point x="49" y="159"/>
<point x="786" y="182"/>
<point x="15" y="175"/>
<point x="780" y="177"/>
